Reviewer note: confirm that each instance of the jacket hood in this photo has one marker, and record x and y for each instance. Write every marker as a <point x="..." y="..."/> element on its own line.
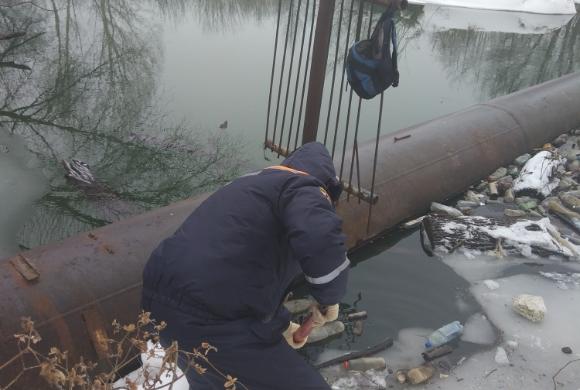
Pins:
<point x="314" y="159"/>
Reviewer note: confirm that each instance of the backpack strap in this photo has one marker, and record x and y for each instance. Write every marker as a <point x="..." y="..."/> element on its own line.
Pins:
<point x="394" y="55"/>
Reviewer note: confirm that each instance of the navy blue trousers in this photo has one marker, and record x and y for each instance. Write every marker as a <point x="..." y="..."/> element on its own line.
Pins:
<point x="258" y="363"/>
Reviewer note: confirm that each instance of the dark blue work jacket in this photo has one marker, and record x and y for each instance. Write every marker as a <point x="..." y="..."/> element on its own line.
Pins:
<point x="236" y="254"/>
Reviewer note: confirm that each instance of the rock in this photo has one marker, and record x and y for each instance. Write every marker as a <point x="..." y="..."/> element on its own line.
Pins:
<point x="542" y="210"/>
<point x="515" y="213"/>
<point x="501" y="357"/>
<point x="504" y="184"/>
<point x="509" y="196"/>
<point x="531" y="307"/>
<point x="420" y="374"/>
<point x="576" y="132"/>
<point x="474" y="197"/>
<point x="570" y="201"/>
<point x="513" y="171"/>
<point x="481" y="186"/>
<point x="567" y="350"/>
<point x="534" y="213"/>
<point x="521" y="160"/>
<point x="573" y="166"/>
<point x="498" y="174"/>
<point x="442" y="209"/>
<point x="566" y="183"/>
<point x="491" y="284"/>
<point x="561" y="140"/>
<point x="4" y="149"/>
<point x="467" y="204"/>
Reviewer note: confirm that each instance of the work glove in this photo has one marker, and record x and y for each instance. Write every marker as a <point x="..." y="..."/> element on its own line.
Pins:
<point x="289" y="336"/>
<point x="323" y="314"/>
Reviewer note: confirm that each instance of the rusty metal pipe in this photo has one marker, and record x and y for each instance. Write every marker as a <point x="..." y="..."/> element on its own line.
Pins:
<point x="86" y="281"/>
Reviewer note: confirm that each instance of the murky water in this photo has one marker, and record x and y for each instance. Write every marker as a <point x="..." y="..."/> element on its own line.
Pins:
<point x="138" y="90"/>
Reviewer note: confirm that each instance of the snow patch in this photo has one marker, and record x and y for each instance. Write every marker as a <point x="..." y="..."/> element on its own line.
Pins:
<point x="538" y="174"/>
<point x="532" y="6"/>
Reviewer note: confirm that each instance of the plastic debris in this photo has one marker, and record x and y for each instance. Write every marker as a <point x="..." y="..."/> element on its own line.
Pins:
<point x="401" y="376"/>
<point x="298" y="305"/>
<point x="444" y="334"/>
<point x="364" y="364"/>
<point x="442" y="209"/>
<point x="531" y="307"/>
<point x="359" y="315"/>
<point x="498" y="174"/>
<point x="325" y="331"/>
<point x="358" y="327"/>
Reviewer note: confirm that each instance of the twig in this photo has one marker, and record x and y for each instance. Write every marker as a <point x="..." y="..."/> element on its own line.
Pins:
<point x="489" y="373"/>
<point x="562" y="369"/>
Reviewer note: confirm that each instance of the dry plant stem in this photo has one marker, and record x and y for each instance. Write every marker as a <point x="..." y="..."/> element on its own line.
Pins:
<point x="562" y="369"/>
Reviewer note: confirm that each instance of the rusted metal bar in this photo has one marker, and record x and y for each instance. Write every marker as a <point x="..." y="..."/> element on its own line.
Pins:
<point x="308" y="53"/>
<point x="77" y="274"/>
<point x="318" y="69"/>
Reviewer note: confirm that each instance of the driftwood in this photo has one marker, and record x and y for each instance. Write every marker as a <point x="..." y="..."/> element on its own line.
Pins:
<point x="445" y="234"/>
<point x="387" y="343"/>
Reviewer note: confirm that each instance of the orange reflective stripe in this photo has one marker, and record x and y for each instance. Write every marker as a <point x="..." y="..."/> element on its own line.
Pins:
<point x="287" y="169"/>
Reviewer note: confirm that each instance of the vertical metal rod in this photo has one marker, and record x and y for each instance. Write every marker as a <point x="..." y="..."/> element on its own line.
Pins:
<point x="310" y="39"/>
<point x="355" y="143"/>
<point x="282" y="71"/>
<point x="318" y="69"/>
<point x="346" y="46"/>
<point x="273" y="71"/>
<point x="358" y="31"/>
<point x="375" y="162"/>
<point x="298" y="74"/>
<point x="334" y="70"/>
<point x="290" y="73"/>
<point x="358" y="172"/>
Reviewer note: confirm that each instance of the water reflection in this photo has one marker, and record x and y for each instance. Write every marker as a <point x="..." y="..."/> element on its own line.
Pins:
<point x="501" y="63"/>
<point x="219" y="15"/>
<point x="90" y="95"/>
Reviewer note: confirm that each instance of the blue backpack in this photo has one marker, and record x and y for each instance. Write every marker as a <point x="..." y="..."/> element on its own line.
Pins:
<point x="371" y="68"/>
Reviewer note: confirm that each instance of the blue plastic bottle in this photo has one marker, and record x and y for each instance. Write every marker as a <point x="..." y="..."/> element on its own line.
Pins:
<point x="444" y="334"/>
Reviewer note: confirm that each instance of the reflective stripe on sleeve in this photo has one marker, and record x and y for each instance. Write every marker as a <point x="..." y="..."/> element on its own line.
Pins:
<point x="330" y="276"/>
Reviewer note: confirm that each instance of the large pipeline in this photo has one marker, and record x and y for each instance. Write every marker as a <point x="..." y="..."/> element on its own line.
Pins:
<point x="78" y="286"/>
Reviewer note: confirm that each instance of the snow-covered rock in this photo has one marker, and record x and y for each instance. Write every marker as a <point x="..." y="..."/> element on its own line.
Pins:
<point x="531" y="307"/>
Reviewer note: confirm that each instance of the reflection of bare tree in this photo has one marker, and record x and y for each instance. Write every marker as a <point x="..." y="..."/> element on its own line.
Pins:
<point x="503" y="63"/>
<point x="220" y="15"/>
<point x="89" y="96"/>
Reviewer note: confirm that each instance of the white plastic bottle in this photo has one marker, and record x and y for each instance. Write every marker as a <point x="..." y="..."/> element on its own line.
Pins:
<point x="444" y="334"/>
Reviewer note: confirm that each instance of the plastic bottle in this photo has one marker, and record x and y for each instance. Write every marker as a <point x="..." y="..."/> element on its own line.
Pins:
<point x="444" y="334"/>
<point x="364" y="364"/>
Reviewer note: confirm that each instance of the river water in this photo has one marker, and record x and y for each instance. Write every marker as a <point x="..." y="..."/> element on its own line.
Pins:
<point x="138" y="90"/>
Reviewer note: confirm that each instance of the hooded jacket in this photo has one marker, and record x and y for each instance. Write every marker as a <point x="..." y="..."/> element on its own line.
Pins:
<point x="237" y="253"/>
